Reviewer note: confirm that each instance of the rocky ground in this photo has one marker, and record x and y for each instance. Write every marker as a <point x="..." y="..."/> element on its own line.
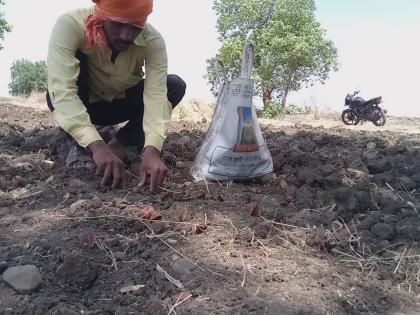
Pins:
<point x="335" y="230"/>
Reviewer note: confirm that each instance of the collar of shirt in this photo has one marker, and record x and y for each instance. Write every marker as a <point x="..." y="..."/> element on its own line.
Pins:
<point x="140" y="40"/>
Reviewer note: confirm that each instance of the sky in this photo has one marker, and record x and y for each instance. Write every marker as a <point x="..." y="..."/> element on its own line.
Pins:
<point x="378" y="43"/>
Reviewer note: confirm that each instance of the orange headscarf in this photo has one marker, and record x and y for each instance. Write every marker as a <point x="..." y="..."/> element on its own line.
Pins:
<point x="124" y="11"/>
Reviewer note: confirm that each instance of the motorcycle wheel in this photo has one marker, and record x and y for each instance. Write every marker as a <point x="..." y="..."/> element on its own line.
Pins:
<point x="349" y="117"/>
<point x="380" y="118"/>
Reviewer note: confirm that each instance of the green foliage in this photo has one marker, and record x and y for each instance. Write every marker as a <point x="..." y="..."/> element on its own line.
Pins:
<point x="292" y="50"/>
<point x="272" y="110"/>
<point x="27" y="77"/>
<point x="4" y="26"/>
<point x="292" y="109"/>
<point x="230" y="55"/>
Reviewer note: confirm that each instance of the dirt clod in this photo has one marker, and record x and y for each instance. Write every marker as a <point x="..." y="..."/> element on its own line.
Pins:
<point x="383" y="231"/>
<point x="78" y="272"/>
<point x="3" y="266"/>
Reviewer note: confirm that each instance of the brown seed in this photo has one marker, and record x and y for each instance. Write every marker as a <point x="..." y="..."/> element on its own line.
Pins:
<point x="149" y="213"/>
<point x="200" y="229"/>
<point x="19" y="181"/>
<point x="184" y="215"/>
<point x="87" y="239"/>
<point x="255" y="209"/>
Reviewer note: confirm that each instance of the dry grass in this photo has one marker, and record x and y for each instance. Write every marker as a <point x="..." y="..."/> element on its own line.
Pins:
<point x="403" y="260"/>
<point x="35" y="100"/>
<point x="193" y="110"/>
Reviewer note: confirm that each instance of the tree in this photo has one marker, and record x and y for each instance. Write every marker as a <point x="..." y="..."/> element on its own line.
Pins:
<point x="27" y="77"/>
<point x="4" y="26"/>
<point x="292" y="50"/>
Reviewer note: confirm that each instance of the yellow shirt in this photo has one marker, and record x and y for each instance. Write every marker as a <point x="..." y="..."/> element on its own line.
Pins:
<point x="107" y="80"/>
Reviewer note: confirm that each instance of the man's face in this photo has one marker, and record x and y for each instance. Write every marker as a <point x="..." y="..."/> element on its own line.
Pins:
<point x="121" y="35"/>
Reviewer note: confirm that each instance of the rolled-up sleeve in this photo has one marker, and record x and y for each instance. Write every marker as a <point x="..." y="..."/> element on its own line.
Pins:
<point x="157" y="109"/>
<point x="63" y="70"/>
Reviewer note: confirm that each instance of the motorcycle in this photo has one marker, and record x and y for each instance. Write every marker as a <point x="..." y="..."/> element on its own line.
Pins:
<point x="361" y="110"/>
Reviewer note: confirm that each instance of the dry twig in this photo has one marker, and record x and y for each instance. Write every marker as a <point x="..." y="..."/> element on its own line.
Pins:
<point x="207" y="186"/>
<point x="243" y="264"/>
<point x="178" y="302"/>
<point x="110" y="254"/>
<point x="171" y="279"/>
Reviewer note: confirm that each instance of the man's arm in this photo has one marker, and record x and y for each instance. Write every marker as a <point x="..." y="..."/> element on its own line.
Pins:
<point x="69" y="112"/>
<point x="63" y="70"/>
<point x="157" y="113"/>
<point x="157" y="109"/>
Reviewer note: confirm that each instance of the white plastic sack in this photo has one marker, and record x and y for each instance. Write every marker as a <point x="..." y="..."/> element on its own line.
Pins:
<point x="234" y="147"/>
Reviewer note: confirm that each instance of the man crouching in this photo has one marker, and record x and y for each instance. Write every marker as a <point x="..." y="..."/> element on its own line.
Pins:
<point x="95" y="66"/>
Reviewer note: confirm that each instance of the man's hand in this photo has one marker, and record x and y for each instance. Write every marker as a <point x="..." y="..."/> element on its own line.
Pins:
<point x="152" y="168"/>
<point x="108" y="165"/>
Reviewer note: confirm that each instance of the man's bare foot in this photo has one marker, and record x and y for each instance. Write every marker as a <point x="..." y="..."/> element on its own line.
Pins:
<point x="79" y="157"/>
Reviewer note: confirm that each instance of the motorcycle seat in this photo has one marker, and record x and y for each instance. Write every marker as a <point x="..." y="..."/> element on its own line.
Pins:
<point x="371" y="101"/>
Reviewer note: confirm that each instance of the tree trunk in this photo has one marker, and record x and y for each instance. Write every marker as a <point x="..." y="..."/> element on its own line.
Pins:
<point x="267" y="96"/>
<point x="283" y="100"/>
<point x="285" y="93"/>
